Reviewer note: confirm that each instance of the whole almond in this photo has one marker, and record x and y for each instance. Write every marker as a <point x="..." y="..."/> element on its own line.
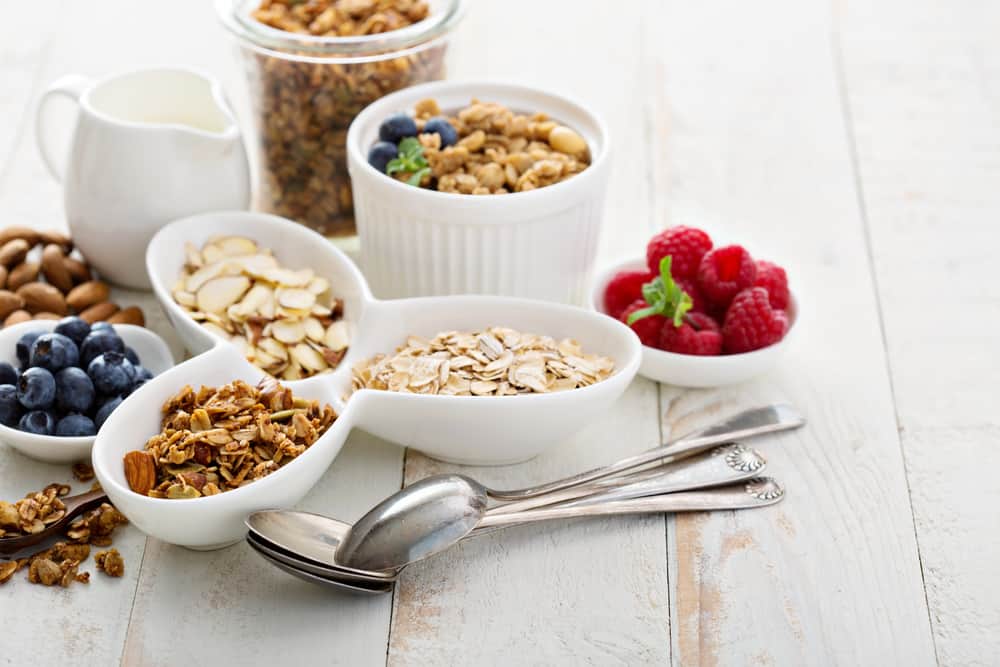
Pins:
<point x="54" y="268"/>
<point x="99" y="312"/>
<point x="86" y="294"/>
<point x="9" y="302"/>
<point x="42" y="298"/>
<point x="130" y="315"/>
<point x="17" y="317"/>
<point x="13" y="252"/>
<point x="140" y="471"/>
<point x="3" y="277"/>
<point x="22" y="274"/>
<point x="25" y="233"/>
<point x="52" y="236"/>
<point x="77" y="269"/>
<point x="47" y="316"/>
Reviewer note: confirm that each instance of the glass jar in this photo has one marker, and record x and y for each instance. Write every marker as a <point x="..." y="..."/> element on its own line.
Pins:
<point x="304" y="92"/>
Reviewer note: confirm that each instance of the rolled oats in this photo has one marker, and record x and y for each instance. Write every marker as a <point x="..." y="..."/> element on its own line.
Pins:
<point x="304" y="105"/>
<point x="285" y="321"/>
<point x="498" y="151"/>
<point x="218" y="439"/>
<point x="495" y="362"/>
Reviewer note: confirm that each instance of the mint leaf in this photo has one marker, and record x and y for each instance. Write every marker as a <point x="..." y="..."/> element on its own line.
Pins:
<point x="411" y="161"/>
<point x="664" y="296"/>
<point x="418" y="176"/>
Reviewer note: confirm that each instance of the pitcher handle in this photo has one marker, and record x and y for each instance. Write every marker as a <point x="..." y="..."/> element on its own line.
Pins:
<point x="71" y="86"/>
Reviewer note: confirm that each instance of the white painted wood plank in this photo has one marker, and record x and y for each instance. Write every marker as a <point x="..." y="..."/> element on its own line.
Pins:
<point x="925" y="118"/>
<point x="754" y="144"/>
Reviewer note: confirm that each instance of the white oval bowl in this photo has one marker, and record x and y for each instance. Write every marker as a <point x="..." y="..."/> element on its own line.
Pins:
<point x="153" y="353"/>
<point x="463" y="429"/>
<point x="539" y="244"/>
<point x="689" y="370"/>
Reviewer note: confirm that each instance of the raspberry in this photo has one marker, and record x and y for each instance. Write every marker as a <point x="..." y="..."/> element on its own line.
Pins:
<point x="725" y="271"/>
<point x="624" y="288"/>
<point x="690" y="287"/>
<point x="685" y="245"/>
<point x="699" y="334"/>
<point x="773" y="278"/>
<point x="647" y="328"/>
<point x="751" y="323"/>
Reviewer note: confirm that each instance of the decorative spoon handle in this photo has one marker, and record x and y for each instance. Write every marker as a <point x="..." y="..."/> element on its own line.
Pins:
<point x="723" y="465"/>
<point x="746" y="424"/>
<point x="756" y="492"/>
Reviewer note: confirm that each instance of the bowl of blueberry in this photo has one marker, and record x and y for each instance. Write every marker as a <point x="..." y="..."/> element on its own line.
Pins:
<point x="59" y="381"/>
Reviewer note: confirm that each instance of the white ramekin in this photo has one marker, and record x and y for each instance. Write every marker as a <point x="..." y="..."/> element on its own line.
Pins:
<point x="539" y="244"/>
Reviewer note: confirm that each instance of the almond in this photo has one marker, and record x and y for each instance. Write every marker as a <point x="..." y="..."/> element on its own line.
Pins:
<point x="86" y="294"/>
<point x="77" y="269"/>
<point x="58" y="238"/>
<point x="22" y="274"/>
<point x="24" y="233"/>
<point x="54" y="268"/>
<point x="17" y="317"/>
<point x="130" y="315"/>
<point x="140" y="471"/>
<point x="99" y="312"/>
<point x="9" y="302"/>
<point x="3" y="276"/>
<point x="42" y="298"/>
<point x="47" y="316"/>
<point x="13" y="252"/>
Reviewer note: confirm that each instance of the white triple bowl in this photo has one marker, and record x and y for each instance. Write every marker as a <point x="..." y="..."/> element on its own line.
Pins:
<point x="539" y="244"/>
<point x="473" y="430"/>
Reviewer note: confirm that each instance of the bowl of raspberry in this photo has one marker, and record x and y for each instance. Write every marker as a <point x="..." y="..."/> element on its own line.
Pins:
<point x="708" y="315"/>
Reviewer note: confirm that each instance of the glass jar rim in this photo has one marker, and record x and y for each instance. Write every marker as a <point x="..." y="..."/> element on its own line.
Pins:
<point x="237" y="19"/>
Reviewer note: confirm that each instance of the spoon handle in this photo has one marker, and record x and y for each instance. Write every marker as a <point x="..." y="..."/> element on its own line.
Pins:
<point x="723" y="465"/>
<point x="756" y="492"/>
<point x="746" y="424"/>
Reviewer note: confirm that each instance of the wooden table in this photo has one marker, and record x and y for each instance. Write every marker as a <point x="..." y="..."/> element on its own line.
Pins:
<point x="858" y="143"/>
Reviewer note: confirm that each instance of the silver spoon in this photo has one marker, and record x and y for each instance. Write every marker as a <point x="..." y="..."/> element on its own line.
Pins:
<point x="432" y="514"/>
<point x="757" y="492"/>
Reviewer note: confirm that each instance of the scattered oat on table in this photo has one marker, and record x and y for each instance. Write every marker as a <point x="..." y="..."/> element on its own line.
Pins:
<point x="495" y="362"/>
<point x="219" y="439"/>
<point x="285" y="321"/>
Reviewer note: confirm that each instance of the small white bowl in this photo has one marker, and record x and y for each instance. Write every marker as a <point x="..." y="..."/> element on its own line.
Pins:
<point x="463" y="429"/>
<point x="539" y="244"/>
<point x="153" y="353"/>
<point x="689" y="370"/>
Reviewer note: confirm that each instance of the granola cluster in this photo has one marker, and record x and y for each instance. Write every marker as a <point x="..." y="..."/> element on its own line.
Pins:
<point x="59" y="564"/>
<point x="304" y="107"/>
<point x="496" y="362"/>
<point x="219" y="439"/>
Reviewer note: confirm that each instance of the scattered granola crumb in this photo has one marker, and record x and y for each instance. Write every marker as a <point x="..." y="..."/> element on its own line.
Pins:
<point x="7" y="570"/>
<point x="110" y="562"/>
<point x="83" y="472"/>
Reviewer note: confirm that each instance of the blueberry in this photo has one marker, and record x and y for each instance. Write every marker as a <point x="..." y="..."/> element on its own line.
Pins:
<point x="381" y="153"/>
<point x="37" y="421"/>
<point x="444" y="129"/>
<point x="75" y="425"/>
<point x="142" y="376"/>
<point x="396" y="127"/>
<point x="105" y="410"/>
<point x="102" y="326"/>
<point x="8" y="374"/>
<point x="111" y="373"/>
<point x="132" y="356"/>
<point x="74" y="390"/>
<point x="10" y="407"/>
<point x="73" y="328"/>
<point x="54" y="352"/>
<point x="24" y="344"/>
<point x="36" y="389"/>
<point x="97" y="343"/>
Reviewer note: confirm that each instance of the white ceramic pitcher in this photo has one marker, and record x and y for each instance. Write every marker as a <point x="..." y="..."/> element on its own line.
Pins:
<point x="150" y="146"/>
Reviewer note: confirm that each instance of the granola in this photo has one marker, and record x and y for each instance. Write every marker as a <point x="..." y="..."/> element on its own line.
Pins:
<point x="219" y="439"/>
<point x="285" y="321"/>
<point x="33" y="513"/>
<point x="495" y="362"/>
<point x="304" y="105"/>
<point x="496" y="151"/>
<point x="110" y="562"/>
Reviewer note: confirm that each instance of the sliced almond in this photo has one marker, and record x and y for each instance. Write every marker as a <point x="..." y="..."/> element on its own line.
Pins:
<point x="298" y="299"/>
<point x="318" y="285"/>
<point x="185" y="298"/>
<point x="308" y="358"/>
<point x="211" y="253"/>
<point x="273" y="348"/>
<point x="217" y="330"/>
<point x="337" y="336"/>
<point x="219" y="293"/>
<point x="314" y="329"/>
<point x="192" y="256"/>
<point x="288" y="331"/>
<point x="203" y="275"/>
<point x="233" y="246"/>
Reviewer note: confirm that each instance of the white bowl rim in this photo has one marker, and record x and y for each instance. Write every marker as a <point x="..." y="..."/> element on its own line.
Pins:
<point x="596" y="304"/>
<point x="70" y="442"/>
<point x="550" y="192"/>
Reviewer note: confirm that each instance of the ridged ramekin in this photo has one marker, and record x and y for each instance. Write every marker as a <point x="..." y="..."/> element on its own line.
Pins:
<point x="539" y="244"/>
